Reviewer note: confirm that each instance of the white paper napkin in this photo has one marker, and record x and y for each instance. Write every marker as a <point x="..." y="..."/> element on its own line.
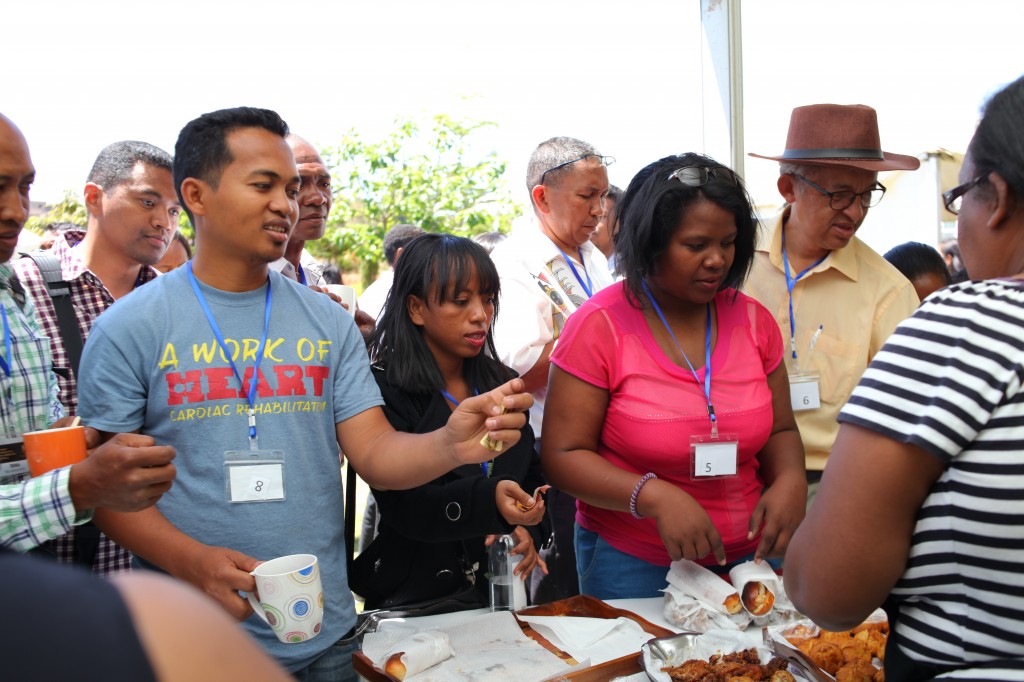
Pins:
<point x="489" y="647"/>
<point x="599" y="639"/>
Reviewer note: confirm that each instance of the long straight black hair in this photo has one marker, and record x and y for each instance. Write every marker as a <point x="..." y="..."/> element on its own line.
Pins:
<point x="435" y="268"/>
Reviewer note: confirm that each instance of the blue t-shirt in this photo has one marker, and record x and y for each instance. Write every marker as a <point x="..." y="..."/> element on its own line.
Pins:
<point x="152" y="363"/>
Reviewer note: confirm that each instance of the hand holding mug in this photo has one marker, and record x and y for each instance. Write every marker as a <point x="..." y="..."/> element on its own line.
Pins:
<point x="289" y="597"/>
<point x="128" y="473"/>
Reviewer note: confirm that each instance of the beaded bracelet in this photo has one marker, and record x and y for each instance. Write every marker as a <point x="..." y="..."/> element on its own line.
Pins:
<point x="636" y="492"/>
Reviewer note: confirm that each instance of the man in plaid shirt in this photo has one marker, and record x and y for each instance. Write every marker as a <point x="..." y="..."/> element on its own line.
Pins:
<point x="133" y="213"/>
<point x="130" y="476"/>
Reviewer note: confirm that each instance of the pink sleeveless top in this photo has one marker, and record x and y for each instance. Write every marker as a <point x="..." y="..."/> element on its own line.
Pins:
<point x="655" y="406"/>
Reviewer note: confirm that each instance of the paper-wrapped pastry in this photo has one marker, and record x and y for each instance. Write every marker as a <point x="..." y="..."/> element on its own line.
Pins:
<point x="757" y="584"/>
<point x="493" y="445"/>
<point x="536" y="498"/>
<point x="416" y="653"/>
<point x="695" y="580"/>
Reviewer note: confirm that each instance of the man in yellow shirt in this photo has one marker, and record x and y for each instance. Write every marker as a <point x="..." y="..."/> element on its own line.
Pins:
<point x="836" y="300"/>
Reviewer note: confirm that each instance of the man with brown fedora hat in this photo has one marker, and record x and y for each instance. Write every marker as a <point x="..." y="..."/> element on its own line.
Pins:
<point x="835" y="299"/>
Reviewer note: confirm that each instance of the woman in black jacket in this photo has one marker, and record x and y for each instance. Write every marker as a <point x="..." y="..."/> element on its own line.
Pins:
<point x="432" y="348"/>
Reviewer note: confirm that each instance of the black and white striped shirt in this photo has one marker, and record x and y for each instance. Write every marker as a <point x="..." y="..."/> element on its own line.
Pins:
<point x="950" y="380"/>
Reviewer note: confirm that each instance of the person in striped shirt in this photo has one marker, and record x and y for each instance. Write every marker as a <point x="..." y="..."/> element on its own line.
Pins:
<point x="131" y="475"/>
<point x="921" y="508"/>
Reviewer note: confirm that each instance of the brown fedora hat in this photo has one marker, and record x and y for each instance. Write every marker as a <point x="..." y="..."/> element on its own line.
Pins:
<point x="839" y="135"/>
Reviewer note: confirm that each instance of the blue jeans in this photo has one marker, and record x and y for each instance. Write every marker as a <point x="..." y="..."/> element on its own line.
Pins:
<point x="335" y="665"/>
<point x="607" y="573"/>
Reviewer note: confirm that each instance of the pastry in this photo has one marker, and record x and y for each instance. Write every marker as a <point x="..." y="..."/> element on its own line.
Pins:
<point x="416" y="653"/>
<point x="493" y="445"/>
<point x="757" y="598"/>
<point x="394" y="666"/>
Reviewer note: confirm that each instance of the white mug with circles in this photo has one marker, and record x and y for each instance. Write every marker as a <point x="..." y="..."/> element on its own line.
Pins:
<point x="289" y="597"/>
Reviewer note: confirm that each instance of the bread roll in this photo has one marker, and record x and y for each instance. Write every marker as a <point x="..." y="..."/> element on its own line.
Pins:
<point x="416" y="653"/>
<point x="732" y="604"/>
<point x="757" y="598"/>
<point x="394" y="666"/>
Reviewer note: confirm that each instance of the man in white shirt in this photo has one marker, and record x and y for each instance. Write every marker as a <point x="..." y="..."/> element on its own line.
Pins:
<point x="549" y="268"/>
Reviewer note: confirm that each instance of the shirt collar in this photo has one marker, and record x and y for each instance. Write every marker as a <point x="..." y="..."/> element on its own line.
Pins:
<point x="843" y="260"/>
<point x="532" y="232"/>
<point x="72" y="266"/>
<point x="6" y="274"/>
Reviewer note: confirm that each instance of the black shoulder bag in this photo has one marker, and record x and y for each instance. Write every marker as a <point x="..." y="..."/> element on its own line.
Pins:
<point x="87" y="536"/>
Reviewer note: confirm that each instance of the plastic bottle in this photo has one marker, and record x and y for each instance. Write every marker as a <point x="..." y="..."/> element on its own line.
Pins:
<point x="508" y="591"/>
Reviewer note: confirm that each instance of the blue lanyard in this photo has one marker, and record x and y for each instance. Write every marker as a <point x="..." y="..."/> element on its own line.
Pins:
<point x="253" y="444"/>
<point x="8" y="360"/>
<point x="588" y="286"/>
<point x="707" y="356"/>
<point x="790" y="285"/>
<point x="486" y="466"/>
<point x="301" y="274"/>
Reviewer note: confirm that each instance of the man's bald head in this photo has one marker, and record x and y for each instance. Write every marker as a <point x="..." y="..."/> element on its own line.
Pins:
<point x="303" y="149"/>
<point x="16" y="177"/>
<point x="315" y="192"/>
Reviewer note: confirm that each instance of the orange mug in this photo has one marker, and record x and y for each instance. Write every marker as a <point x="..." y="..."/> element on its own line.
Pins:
<point x="54" y="448"/>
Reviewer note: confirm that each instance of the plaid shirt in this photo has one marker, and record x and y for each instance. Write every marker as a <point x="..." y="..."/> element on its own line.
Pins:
<point x="89" y="297"/>
<point x="37" y="510"/>
<point x="28" y="396"/>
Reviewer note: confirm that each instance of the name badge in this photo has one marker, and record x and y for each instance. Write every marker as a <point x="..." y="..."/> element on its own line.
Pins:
<point x="714" y="457"/>
<point x="254" y="476"/>
<point x="804" y="391"/>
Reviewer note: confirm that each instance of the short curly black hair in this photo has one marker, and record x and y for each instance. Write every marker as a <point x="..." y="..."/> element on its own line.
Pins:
<point x="654" y="204"/>
<point x="202" y="149"/>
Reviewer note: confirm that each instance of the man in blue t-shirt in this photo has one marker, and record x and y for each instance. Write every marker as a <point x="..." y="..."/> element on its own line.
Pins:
<point x="245" y="371"/>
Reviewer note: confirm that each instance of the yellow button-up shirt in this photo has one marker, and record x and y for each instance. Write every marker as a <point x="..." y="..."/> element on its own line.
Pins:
<point x="856" y="298"/>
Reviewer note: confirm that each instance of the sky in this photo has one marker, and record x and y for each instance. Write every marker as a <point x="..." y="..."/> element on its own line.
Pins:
<point x="623" y="76"/>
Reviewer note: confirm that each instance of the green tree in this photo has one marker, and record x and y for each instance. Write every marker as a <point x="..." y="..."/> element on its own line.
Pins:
<point x="70" y="209"/>
<point x="429" y="178"/>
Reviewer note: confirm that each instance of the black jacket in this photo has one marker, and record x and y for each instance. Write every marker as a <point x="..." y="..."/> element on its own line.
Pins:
<point x="430" y="535"/>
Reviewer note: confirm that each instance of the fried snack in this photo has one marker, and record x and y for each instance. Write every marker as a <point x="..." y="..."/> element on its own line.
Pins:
<point x="881" y="626"/>
<point x="858" y="671"/>
<point x="741" y="666"/>
<point x="879" y="675"/>
<point x="694" y="669"/>
<point x="826" y="655"/>
<point x="856" y="648"/>
<point x="493" y="445"/>
<point x="874" y="641"/>
<point x="757" y="598"/>
<point x="840" y="638"/>
<point x="536" y="498"/>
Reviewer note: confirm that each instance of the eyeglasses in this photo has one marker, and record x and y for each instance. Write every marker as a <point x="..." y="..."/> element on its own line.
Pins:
<point x="604" y="161"/>
<point x="698" y="176"/>
<point x="954" y="197"/>
<point x="842" y="199"/>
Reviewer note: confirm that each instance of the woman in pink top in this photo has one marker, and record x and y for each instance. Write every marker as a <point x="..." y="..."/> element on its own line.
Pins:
<point x="668" y="412"/>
